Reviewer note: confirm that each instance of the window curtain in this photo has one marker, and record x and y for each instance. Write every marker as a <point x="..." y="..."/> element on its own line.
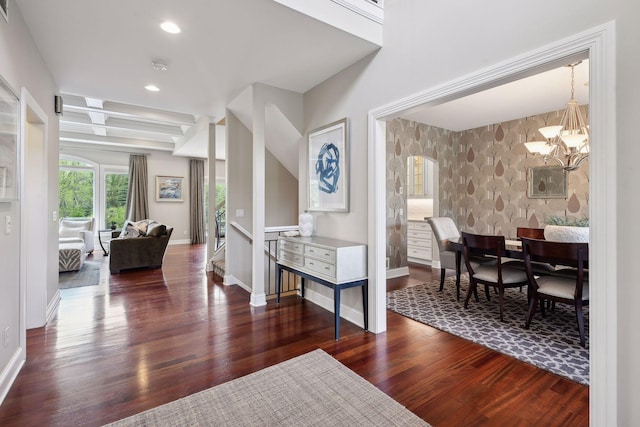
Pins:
<point x="196" y="200"/>
<point x="138" y="194"/>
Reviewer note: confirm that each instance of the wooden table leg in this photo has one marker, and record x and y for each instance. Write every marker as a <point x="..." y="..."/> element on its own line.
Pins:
<point x="336" y="311"/>
<point x="365" y="304"/>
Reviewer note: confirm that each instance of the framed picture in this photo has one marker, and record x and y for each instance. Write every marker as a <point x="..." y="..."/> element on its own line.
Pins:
<point x="329" y="168"/>
<point x="8" y="143"/>
<point x="547" y="182"/>
<point x="4" y="9"/>
<point x="169" y="188"/>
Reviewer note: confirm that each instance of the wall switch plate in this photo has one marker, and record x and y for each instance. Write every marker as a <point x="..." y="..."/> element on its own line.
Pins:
<point x="239" y="213"/>
<point x="7" y="224"/>
<point x="401" y="190"/>
<point x="54" y="216"/>
<point x="6" y="337"/>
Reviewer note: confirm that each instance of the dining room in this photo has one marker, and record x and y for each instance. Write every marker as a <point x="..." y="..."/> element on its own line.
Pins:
<point x="493" y="179"/>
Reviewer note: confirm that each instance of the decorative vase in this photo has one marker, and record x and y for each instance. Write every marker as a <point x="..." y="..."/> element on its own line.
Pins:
<point x="305" y="224"/>
<point x="566" y="233"/>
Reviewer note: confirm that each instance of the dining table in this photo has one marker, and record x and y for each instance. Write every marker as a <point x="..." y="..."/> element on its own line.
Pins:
<point x="513" y="249"/>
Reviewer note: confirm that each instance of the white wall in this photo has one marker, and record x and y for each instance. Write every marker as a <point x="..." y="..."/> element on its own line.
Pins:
<point x="429" y="43"/>
<point x="21" y="65"/>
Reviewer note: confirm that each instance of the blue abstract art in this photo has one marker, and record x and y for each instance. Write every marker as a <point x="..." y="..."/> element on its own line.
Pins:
<point x="328" y="174"/>
<point x="328" y="168"/>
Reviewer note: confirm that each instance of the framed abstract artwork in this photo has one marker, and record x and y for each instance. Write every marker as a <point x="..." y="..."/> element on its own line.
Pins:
<point x="9" y="123"/>
<point x="328" y="167"/>
<point x="169" y="188"/>
<point x="547" y="182"/>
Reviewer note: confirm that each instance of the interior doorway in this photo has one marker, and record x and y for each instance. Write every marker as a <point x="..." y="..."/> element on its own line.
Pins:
<point x="34" y="230"/>
<point x="599" y="45"/>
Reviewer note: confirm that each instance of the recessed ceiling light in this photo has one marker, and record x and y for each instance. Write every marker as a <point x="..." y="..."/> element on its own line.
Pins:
<point x="170" y="27"/>
<point x="152" y="88"/>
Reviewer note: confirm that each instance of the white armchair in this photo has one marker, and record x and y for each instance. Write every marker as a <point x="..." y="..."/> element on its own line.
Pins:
<point x="78" y="230"/>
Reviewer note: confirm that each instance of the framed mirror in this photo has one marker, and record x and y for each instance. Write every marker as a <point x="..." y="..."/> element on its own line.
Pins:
<point x="547" y="182"/>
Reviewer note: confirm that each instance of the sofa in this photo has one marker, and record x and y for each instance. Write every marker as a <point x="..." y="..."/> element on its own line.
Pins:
<point x="78" y="230"/>
<point x="140" y="245"/>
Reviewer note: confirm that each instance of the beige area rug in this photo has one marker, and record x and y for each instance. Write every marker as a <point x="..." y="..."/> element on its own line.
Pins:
<point x="309" y="390"/>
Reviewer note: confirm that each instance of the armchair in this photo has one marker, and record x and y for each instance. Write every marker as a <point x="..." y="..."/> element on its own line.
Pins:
<point x="137" y="252"/>
<point x="76" y="230"/>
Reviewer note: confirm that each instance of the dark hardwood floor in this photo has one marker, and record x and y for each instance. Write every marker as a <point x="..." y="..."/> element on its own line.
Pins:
<point x="144" y="338"/>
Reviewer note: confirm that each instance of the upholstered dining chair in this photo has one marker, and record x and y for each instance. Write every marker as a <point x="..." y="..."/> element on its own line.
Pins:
<point x="493" y="274"/>
<point x="573" y="289"/>
<point x="445" y="231"/>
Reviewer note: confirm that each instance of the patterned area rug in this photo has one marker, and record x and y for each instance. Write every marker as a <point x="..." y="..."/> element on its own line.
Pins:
<point x="309" y="390"/>
<point x="551" y="343"/>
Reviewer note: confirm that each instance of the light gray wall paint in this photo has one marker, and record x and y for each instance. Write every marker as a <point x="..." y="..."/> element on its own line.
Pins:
<point x="427" y="44"/>
<point x="281" y="194"/>
<point x="21" y="65"/>
<point x="239" y="196"/>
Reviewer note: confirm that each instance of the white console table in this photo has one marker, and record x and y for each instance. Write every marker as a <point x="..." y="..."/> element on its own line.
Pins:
<point x="333" y="263"/>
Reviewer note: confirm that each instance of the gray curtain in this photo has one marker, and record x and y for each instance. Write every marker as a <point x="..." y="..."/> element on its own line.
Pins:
<point x="196" y="200"/>
<point x="138" y="195"/>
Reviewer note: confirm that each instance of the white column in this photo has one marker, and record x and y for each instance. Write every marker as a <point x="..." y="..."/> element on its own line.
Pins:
<point x="258" y="296"/>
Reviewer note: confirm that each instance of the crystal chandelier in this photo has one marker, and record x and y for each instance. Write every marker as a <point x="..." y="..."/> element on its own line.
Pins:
<point x="568" y="143"/>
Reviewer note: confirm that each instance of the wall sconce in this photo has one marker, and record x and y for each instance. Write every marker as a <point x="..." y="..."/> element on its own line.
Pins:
<point x="57" y="104"/>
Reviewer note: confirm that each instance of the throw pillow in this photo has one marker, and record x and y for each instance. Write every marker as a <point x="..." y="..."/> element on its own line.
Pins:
<point x="130" y="230"/>
<point x="156" y="229"/>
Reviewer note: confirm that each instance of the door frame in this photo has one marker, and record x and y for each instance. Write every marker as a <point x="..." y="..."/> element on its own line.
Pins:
<point x="599" y="44"/>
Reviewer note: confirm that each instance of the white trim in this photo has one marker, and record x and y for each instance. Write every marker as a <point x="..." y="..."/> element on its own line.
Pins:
<point x="231" y="280"/>
<point x="180" y="242"/>
<point x="52" y="306"/>
<point x="347" y="313"/>
<point x="397" y="272"/>
<point x="376" y="15"/>
<point x="11" y="371"/>
<point x="599" y="42"/>
<point x="28" y="102"/>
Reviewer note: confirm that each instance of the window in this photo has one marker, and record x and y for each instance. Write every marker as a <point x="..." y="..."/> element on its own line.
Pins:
<point x="80" y="196"/>
<point x="76" y="189"/>
<point x="116" y="184"/>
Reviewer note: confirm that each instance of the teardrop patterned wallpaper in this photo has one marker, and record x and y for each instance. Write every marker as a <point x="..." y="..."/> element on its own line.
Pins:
<point x="483" y="178"/>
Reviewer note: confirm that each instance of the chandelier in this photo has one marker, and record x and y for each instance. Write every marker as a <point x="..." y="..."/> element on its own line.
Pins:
<point x="568" y="143"/>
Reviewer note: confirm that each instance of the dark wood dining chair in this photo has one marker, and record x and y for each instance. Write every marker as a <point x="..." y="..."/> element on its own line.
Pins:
<point x="540" y="268"/>
<point x="493" y="274"/>
<point x="531" y="233"/>
<point x="572" y="289"/>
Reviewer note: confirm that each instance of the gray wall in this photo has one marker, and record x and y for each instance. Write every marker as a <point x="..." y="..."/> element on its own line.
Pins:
<point x="21" y="65"/>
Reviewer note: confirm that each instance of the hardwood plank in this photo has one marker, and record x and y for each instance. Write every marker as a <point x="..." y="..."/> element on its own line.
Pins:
<point x="144" y="338"/>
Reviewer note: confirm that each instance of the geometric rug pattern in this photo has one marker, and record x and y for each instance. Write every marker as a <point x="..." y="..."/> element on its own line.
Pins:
<point x="551" y="343"/>
<point x="309" y="390"/>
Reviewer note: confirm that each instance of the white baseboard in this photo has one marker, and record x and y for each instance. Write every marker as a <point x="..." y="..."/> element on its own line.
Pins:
<point x="230" y="280"/>
<point x="10" y="373"/>
<point x="52" y="307"/>
<point x="397" y="272"/>
<point x="347" y="313"/>
<point x="180" y="242"/>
